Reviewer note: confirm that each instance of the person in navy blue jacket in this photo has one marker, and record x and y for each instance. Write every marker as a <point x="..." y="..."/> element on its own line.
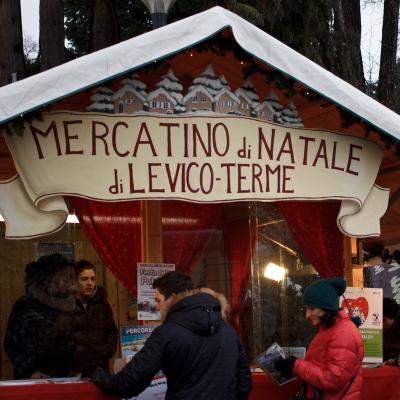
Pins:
<point x="200" y="354"/>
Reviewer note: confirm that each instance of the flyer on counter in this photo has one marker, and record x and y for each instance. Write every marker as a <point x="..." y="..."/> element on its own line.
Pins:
<point x="146" y="274"/>
<point x="266" y="361"/>
<point x="366" y="303"/>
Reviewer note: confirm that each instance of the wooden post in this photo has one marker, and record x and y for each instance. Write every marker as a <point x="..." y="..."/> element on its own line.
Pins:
<point x="152" y="248"/>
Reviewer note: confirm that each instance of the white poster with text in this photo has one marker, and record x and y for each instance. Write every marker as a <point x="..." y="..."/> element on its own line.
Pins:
<point x="146" y="274"/>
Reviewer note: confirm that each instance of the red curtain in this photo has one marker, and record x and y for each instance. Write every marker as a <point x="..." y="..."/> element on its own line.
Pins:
<point x="114" y="230"/>
<point x="187" y="230"/>
<point x="239" y="242"/>
<point x="314" y="227"/>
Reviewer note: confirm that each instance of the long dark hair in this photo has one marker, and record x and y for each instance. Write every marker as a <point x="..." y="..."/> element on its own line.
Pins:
<point x="329" y="318"/>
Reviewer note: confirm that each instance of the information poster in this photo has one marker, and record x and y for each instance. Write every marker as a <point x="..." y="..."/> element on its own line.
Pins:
<point x="133" y="338"/>
<point x="366" y="303"/>
<point x="146" y="274"/>
<point x="64" y="248"/>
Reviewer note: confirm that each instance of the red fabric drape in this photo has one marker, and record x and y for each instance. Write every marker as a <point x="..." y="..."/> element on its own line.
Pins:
<point x="239" y="241"/>
<point x="314" y="227"/>
<point x="187" y="230"/>
<point x="114" y="231"/>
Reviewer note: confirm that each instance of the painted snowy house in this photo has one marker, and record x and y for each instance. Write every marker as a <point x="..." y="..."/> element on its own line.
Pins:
<point x="131" y="97"/>
<point x="167" y="98"/>
<point x="102" y="100"/>
<point x="270" y="109"/>
<point x="198" y="99"/>
<point x="225" y="101"/>
<point x="204" y="88"/>
<point x="290" y="116"/>
<point x="248" y="98"/>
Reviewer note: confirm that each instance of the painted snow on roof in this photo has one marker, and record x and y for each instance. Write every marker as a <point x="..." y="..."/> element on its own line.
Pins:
<point x="130" y="89"/>
<point x="228" y="93"/>
<point x="159" y="92"/>
<point x="196" y="90"/>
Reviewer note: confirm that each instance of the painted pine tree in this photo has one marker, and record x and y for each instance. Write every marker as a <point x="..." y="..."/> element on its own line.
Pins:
<point x="171" y="85"/>
<point x="208" y="81"/>
<point x="102" y="100"/>
<point x="290" y="116"/>
<point x="135" y="82"/>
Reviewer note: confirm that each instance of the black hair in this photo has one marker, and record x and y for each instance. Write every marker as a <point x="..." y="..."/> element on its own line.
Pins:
<point x="329" y="318"/>
<point x="173" y="282"/>
<point x="83" y="264"/>
<point x="390" y="308"/>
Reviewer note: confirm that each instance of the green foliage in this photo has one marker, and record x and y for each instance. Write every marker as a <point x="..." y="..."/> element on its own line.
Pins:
<point x="133" y="20"/>
<point x="249" y="10"/>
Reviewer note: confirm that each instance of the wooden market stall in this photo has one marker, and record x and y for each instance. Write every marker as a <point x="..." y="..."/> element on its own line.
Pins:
<point x="217" y="149"/>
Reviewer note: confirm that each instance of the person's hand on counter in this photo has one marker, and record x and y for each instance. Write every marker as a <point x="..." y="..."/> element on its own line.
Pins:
<point x="39" y="375"/>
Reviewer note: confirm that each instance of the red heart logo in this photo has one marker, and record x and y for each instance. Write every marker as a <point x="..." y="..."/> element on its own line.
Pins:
<point x="356" y="307"/>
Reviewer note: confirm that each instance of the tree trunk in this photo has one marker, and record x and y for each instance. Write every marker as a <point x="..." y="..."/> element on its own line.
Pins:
<point x="386" y="84"/>
<point x="105" y="24"/>
<point x="348" y="42"/>
<point x="11" y="44"/>
<point x="51" y="33"/>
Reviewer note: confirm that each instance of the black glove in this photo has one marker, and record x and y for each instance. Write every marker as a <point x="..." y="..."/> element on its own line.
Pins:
<point x="285" y="365"/>
<point x="101" y="378"/>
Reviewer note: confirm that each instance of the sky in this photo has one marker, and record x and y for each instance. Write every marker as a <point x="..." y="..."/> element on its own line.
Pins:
<point x="371" y="17"/>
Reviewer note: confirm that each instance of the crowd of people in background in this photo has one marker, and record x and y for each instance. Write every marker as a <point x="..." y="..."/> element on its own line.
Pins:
<point x="63" y="325"/>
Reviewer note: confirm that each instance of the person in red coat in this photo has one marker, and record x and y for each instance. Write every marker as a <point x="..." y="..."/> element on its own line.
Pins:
<point x="332" y="368"/>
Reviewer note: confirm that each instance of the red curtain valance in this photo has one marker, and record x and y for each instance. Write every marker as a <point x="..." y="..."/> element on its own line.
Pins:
<point x="313" y="225"/>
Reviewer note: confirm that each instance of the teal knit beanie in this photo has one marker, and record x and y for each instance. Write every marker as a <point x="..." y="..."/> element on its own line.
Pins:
<point x="325" y="293"/>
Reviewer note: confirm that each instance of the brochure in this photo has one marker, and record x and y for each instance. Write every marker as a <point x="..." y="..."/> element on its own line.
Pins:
<point x="266" y="361"/>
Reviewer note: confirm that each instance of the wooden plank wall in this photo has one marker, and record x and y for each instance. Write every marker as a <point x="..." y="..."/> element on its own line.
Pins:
<point x="15" y="254"/>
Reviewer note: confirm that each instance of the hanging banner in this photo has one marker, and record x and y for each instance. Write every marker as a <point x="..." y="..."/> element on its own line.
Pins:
<point x="200" y="158"/>
<point x="366" y="303"/>
<point x="146" y="274"/>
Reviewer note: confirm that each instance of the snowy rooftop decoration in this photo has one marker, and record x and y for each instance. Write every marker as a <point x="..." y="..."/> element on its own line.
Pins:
<point x="64" y="80"/>
<point x="141" y="95"/>
<point x="132" y="85"/>
<point x="161" y="91"/>
<point x="228" y="93"/>
<point x="170" y="85"/>
<point x="136" y="83"/>
<point x="194" y="90"/>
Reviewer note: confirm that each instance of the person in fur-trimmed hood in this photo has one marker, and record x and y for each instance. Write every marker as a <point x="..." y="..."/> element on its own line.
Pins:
<point x="199" y="353"/>
<point x="38" y="339"/>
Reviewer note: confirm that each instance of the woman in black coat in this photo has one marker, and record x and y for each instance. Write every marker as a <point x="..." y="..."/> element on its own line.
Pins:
<point x="94" y="331"/>
<point x="38" y="339"/>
